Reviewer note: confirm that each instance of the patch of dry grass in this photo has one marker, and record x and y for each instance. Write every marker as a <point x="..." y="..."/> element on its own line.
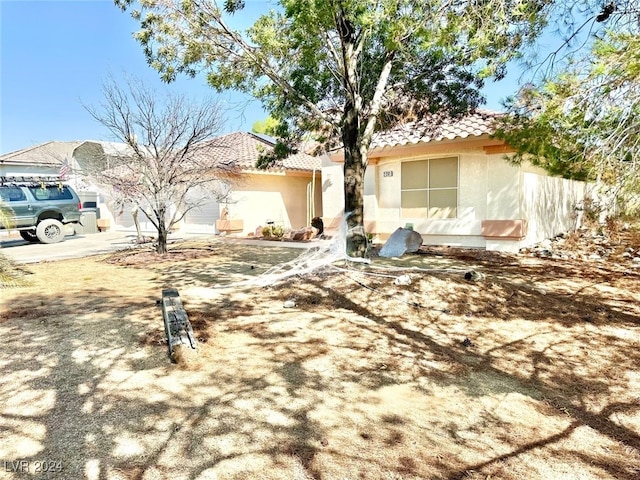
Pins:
<point x="531" y="373"/>
<point x="11" y="275"/>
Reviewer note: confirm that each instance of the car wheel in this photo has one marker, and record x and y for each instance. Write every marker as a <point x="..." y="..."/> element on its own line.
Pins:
<point x="29" y="235"/>
<point x="50" y="230"/>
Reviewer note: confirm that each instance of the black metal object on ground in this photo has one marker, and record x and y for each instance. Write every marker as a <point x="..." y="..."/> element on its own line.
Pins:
<point x="176" y="322"/>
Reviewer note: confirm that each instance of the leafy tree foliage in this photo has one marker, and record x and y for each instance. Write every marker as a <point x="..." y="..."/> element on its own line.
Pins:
<point x="268" y="126"/>
<point x="342" y="69"/>
<point x="584" y="121"/>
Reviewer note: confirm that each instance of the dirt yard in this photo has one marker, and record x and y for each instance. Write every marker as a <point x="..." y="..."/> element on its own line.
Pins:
<point x="529" y="372"/>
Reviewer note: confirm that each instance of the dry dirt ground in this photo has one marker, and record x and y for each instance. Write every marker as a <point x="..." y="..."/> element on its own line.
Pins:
<point x="529" y="373"/>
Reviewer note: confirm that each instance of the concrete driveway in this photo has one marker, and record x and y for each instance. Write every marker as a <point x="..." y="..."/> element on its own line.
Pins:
<point x="72" y="247"/>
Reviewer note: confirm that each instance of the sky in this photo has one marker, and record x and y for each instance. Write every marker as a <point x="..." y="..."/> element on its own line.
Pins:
<point x="55" y="56"/>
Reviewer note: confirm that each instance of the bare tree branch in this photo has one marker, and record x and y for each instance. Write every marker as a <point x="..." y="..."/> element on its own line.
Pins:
<point x="168" y="156"/>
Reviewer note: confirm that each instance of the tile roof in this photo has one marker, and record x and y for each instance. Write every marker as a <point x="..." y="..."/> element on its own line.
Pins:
<point x="48" y="153"/>
<point x="245" y="148"/>
<point x="434" y="128"/>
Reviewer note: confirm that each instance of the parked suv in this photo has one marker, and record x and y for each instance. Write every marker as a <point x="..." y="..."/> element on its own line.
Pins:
<point x="39" y="207"/>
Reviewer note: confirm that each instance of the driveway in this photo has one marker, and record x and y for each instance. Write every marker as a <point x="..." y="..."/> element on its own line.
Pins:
<point x="77" y="246"/>
<point x="72" y="247"/>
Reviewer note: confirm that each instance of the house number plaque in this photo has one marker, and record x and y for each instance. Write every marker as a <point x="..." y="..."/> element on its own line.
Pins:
<point x="387" y="173"/>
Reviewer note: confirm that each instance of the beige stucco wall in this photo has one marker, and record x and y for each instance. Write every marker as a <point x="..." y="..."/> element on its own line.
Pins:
<point x="490" y="188"/>
<point x="332" y="191"/>
<point x="549" y="204"/>
<point x="259" y="197"/>
<point x="276" y="197"/>
<point x="474" y="190"/>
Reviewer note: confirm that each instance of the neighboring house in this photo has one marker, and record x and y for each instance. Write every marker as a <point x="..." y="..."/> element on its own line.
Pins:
<point x="52" y="159"/>
<point x="287" y="194"/>
<point x="453" y="185"/>
<point x="43" y="159"/>
<point x="282" y="194"/>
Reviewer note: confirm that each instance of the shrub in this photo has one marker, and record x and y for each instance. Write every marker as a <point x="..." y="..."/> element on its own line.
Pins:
<point x="277" y="231"/>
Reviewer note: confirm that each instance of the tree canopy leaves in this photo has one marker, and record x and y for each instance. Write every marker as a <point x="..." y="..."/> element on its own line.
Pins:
<point x="343" y="69"/>
<point x="307" y="58"/>
<point x="584" y="121"/>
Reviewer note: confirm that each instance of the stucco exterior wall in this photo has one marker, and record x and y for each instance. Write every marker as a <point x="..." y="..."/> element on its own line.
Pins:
<point x="26" y="170"/>
<point x="549" y="204"/>
<point x="278" y="198"/>
<point x="474" y="188"/>
<point x="332" y="193"/>
<point x="260" y="197"/>
<point x="503" y="190"/>
<point x="489" y="189"/>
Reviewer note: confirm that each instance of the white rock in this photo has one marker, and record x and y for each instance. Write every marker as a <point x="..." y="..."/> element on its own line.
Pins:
<point x="400" y="242"/>
<point x="403" y="280"/>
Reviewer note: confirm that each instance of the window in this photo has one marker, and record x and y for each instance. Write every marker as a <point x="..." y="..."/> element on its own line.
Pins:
<point x="12" y="194"/>
<point x="429" y="188"/>
<point x="51" y="192"/>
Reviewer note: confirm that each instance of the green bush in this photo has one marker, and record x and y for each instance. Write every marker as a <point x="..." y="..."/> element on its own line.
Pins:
<point x="276" y="231"/>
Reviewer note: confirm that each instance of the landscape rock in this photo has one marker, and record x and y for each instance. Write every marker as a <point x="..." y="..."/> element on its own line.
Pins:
<point x="306" y="233"/>
<point x="401" y="241"/>
<point x="402" y="280"/>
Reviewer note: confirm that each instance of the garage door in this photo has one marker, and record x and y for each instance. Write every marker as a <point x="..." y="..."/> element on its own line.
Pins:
<point x="125" y="220"/>
<point x="202" y="219"/>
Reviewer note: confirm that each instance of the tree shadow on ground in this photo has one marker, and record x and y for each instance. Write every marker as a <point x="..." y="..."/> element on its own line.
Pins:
<point x="361" y="380"/>
<point x="93" y="399"/>
<point x="578" y="374"/>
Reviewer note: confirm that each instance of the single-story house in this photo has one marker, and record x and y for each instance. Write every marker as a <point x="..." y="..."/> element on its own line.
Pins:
<point x="451" y="182"/>
<point x="287" y="194"/>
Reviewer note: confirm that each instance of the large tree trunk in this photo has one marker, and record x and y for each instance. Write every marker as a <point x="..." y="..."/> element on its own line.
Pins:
<point x="354" y="168"/>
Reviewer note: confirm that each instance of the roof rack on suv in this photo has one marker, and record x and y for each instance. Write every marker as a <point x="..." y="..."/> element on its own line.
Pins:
<point x="30" y="180"/>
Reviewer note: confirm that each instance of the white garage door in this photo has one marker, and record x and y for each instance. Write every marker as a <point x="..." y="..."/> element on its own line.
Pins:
<point x="125" y="221"/>
<point x="202" y="219"/>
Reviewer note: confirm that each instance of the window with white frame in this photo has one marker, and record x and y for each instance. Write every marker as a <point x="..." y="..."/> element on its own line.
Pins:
<point x="429" y="188"/>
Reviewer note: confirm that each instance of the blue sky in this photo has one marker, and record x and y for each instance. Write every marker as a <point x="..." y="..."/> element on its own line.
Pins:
<point x="55" y="56"/>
